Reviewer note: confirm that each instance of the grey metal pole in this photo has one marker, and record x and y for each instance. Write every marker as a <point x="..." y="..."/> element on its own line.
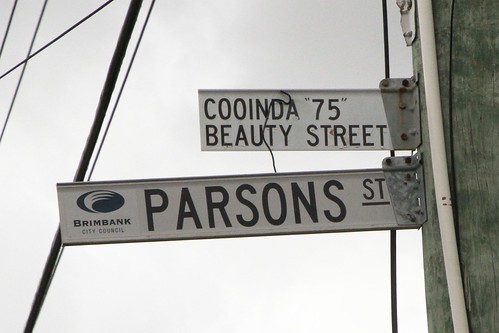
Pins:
<point x="107" y="91"/>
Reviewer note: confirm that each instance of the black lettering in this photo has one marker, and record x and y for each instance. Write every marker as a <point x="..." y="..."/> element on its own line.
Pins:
<point x="339" y="131"/>
<point x="276" y="115"/>
<point x="292" y="110"/>
<point x="221" y="109"/>
<point x="309" y="204"/>
<point x="310" y="130"/>
<point x="209" y="100"/>
<point x="285" y="133"/>
<point x="381" y="133"/>
<point x="343" y="210"/>
<point x="262" y="109"/>
<point x="366" y="184"/>
<point x="352" y="134"/>
<point x="255" y="129"/>
<point x="380" y="184"/>
<point x="241" y="102"/>
<point x="241" y="136"/>
<point x="77" y="223"/>
<point x="211" y="132"/>
<point x="247" y="203"/>
<point x="326" y="134"/>
<point x="366" y="134"/>
<point x="266" y="204"/>
<point x="150" y="209"/>
<point x="220" y="205"/>
<point x="186" y="200"/>
<point x="271" y="134"/>
<point x="224" y="133"/>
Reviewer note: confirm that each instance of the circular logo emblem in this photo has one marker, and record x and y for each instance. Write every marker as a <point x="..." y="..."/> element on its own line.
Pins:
<point x="100" y="201"/>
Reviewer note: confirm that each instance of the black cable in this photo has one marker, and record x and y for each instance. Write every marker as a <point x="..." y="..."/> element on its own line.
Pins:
<point x="451" y="131"/>
<point x="121" y="90"/>
<point x="23" y="70"/>
<point x="386" y="40"/>
<point x="265" y="141"/>
<point x="393" y="233"/>
<point x="393" y="279"/>
<point x="56" y="39"/>
<point x="8" y="27"/>
<point x="57" y="247"/>
<point x="272" y="101"/>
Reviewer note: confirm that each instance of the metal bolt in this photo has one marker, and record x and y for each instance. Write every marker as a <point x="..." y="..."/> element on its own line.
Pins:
<point x="408" y="160"/>
<point x="402" y="105"/>
<point x="408" y="176"/>
<point x="408" y="34"/>
<point x="388" y="161"/>
<point x="404" y="137"/>
<point x="405" y="83"/>
<point x="385" y="83"/>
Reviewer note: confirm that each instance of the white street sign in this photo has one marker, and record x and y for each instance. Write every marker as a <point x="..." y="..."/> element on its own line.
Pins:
<point x="310" y="119"/>
<point x="231" y="206"/>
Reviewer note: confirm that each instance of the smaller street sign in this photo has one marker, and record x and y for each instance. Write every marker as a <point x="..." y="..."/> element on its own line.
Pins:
<point x="378" y="119"/>
<point x="236" y="206"/>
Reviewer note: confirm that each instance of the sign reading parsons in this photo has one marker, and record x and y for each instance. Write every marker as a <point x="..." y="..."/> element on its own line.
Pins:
<point x="231" y="206"/>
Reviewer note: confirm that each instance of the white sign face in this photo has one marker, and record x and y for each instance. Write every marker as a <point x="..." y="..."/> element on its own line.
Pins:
<point x="232" y="206"/>
<point x="293" y="120"/>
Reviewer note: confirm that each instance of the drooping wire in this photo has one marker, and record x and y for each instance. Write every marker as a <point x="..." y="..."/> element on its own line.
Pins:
<point x="265" y="125"/>
<point x="8" y="27"/>
<point x="393" y="233"/>
<point x="265" y="140"/>
<point x="121" y="90"/>
<point x="23" y="70"/>
<point x="57" y="38"/>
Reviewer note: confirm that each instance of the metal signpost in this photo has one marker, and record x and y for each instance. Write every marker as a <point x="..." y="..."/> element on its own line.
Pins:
<point x="378" y="119"/>
<point x="235" y="206"/>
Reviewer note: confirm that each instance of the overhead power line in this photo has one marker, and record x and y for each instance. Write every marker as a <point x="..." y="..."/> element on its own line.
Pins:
<point x="56" y="39"/>
<point x="7" y="29"/>
<point x="23" y="70"/>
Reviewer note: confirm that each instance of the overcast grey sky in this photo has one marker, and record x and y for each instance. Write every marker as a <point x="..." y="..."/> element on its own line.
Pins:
<point x="309" y="283"/>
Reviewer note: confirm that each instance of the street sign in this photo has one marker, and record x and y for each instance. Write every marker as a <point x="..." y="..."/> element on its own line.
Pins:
<point x="378" y="119"/>
<point x="235" y="206"/>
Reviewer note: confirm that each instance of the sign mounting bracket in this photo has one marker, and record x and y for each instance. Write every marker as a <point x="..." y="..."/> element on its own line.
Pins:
<point x="401" y="102"/>
<point x="405" y="182"/>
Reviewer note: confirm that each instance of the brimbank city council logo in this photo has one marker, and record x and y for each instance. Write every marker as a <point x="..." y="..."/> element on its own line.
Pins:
<point x="100" y="201"/>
